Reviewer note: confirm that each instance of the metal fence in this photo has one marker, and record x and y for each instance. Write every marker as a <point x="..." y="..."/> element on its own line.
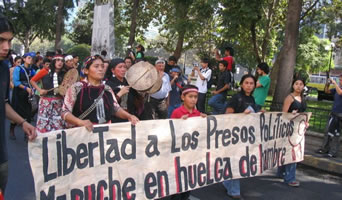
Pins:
<point x="318" y="120"/>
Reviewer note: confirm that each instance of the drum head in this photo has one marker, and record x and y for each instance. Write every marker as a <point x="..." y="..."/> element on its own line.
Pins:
<point x="69" y="78"/>
<point x="142" y="76"/>
<point x="156" y="86"/>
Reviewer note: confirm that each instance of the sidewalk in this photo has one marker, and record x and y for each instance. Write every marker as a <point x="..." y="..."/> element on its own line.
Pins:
<point x="313" y="141"/>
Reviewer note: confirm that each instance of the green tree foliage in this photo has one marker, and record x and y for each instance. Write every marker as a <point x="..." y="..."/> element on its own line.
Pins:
<point x="82" y="50"/>
<point x="82" y="25"/>
<point x="314" y="55"/>
<point x="190" y="22"/>
<point x="133" y="26"/>
<point x="252" y="27"/>
<point x="332" y="10"/>
<point x="61" y="14"/>
<point x="32" y="19"/>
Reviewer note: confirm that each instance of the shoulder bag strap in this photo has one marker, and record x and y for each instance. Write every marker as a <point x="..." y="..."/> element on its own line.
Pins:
<point x="92" y="107"/>
<point x="27" y="77"/>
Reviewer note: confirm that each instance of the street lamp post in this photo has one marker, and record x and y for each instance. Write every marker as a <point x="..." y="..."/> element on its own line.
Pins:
<point x="332" y="46"/>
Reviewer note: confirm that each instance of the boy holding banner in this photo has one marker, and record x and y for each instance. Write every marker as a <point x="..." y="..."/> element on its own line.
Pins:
<point x="189" y="97"/>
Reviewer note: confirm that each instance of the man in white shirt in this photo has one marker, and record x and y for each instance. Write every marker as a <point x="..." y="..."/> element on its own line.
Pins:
<point x="203" y="76"/>
<point x="159" y="100"/>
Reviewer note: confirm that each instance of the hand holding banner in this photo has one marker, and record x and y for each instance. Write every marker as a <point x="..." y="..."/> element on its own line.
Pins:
<point x="157" y="158"/>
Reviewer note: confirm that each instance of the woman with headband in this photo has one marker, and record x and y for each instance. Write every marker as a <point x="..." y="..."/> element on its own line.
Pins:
<point x="90" y="101"/>
<point x="51" y="102"/>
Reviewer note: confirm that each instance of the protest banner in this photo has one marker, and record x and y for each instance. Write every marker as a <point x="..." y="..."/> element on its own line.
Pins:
<point x="157" y="158"/>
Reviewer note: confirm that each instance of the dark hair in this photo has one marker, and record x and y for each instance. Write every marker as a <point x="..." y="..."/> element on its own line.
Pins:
<point x="59" y="51"/>
<point x="264" y="67"/>
<point x="189" y="87"/>
<point x="298" y="79"/>
<point x="129" y="58"/>
<point x="230" y="49"/>
<point x="104" y="53"/>
<point x="53" y="67"/>
<point x="141" y="46"/>
<point x="173" y="58"/>
<point x="5" y="25"/>
<point x="50" y="54"/>
<point x="74" y="55"/>
<point x="38" y="58"/>
<point x="89" y="60"/>
<point x="205" y="60"/>
<point x="244" y="77"/>
<point x="223" y="62"/>
<point x="45" y="60"/>
<point x="17" y="58"/>
<point x="112" y="64"/>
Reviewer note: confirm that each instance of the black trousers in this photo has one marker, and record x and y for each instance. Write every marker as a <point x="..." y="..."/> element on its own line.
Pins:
<point x="201" y="102"/>
<point x="331" y="142"/>
<point x="159" y="108"/>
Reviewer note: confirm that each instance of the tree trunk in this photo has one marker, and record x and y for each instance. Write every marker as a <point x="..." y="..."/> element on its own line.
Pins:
<point x="264" y="46"/>
<point x="133" y="26"/>
<point x="59" y="24"/>
<point x="27" y="42"/>
<point x="273" y="77"/>
<point x="180" y="41"/>
<point x="254" y="42"/>
<point x="182" y="9"/>
<point x="287" y="56"/>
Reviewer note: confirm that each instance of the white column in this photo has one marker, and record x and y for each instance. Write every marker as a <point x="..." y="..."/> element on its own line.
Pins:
<point x="103" y="28"/>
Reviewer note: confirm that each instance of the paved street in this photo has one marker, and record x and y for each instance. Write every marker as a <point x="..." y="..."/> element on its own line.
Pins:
<point x="314" y="184"/>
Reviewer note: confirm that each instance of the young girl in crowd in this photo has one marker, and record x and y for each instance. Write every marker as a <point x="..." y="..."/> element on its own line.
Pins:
<point x="242" y="102"/>
<point x="90" y="101"/>
<point x="50" y="102"/>
<point x="294" y="103"/>
<point x="140" y="53"/>
<point x="16" y="62"/>
<point x="22" y="90"/>
<point x="189" y="97"/>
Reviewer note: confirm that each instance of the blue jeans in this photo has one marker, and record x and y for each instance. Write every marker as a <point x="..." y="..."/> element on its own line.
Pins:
<point x="232" y="187"/>
<point x="218" y="103"/>
<point x="171" y="108"/>
<point x="288" y="172"/>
